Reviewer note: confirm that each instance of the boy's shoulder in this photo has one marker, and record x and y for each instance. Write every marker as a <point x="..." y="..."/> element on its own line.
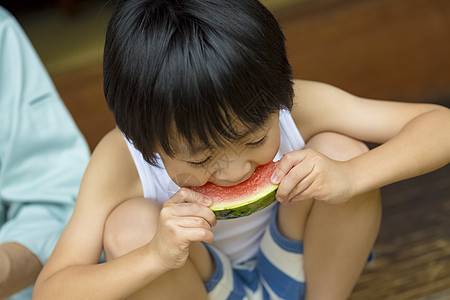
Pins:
<point x="111" y="173"/>
<point x="307" y="98"/>
<point x="318" y="106"/>
<point x="313" y="94"/>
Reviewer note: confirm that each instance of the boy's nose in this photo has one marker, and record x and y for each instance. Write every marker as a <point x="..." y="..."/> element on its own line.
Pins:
<point x="232" y="173"/>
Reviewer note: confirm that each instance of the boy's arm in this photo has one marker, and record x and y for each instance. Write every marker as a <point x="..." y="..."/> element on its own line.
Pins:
<point x="72" y="271"/>
<point x="415" y="137"/>
<point x="111" y="178"/>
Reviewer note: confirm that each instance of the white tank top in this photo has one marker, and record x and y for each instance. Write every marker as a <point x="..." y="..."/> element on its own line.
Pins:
<point x="237" y="238"/>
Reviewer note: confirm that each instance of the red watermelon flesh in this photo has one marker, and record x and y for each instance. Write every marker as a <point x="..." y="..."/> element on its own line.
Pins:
<point x="242" y="199"/>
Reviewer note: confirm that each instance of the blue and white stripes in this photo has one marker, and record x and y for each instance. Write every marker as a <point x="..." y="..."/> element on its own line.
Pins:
<point x="276" y="272"/>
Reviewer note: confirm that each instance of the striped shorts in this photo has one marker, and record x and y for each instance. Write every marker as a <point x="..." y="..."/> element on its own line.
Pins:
<point x="275" y="273"/>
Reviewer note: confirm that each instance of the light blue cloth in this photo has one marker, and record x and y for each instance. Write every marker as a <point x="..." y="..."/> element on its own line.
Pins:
<point x="42" y="153"/>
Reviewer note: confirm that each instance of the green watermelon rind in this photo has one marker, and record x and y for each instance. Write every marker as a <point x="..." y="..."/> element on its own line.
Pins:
<point x="246" y="206"/>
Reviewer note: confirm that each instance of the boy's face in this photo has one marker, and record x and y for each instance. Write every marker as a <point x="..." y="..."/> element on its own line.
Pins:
<point x="228" y="165"/>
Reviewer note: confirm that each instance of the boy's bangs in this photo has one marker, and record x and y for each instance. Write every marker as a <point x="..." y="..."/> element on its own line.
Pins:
<point x="210" y="94"/>
<point x="209" y="127"/>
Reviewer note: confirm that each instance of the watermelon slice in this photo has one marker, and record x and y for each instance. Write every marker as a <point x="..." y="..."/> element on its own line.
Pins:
<point x="243" y="199"/>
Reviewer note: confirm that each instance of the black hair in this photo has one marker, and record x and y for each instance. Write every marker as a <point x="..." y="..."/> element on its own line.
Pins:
<point x="194" y="68"/>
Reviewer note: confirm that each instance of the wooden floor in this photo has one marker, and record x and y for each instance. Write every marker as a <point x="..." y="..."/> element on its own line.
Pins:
<point x="413" y="248"/>
<point x="385" y="49"/>
<point x="394" y="49"/>
<point x="399" y="50"/>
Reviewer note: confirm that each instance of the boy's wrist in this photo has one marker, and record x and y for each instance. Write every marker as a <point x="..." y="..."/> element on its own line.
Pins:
<point x="154" y="259"/>
<point x="358" y="177"/>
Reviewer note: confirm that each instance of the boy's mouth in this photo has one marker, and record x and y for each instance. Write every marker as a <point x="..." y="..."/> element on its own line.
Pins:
<point x="227" y="183"/>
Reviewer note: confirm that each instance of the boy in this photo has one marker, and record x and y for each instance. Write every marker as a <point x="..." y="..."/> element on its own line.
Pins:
<point x="202" y="91"/>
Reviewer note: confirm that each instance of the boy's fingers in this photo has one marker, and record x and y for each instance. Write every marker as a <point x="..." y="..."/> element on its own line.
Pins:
<point x="194" y="210"/>
<point x="198" y="235"/>
<point x="293" y="180"/>
<point x="300" y="192"/>
<point x="185" y="195"/>
<point x="286" y="163"/>
<point x="195" y="222"/>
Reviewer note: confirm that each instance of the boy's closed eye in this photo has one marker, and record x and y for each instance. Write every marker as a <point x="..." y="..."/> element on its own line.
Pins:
<point x="200" y="163"/>
<point x="258" y="143"/>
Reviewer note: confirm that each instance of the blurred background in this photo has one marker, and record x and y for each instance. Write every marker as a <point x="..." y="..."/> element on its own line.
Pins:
<point x="386" y="49"/>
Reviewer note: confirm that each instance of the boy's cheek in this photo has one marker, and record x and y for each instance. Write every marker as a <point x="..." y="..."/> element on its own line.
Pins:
<point x="186" y="178"/>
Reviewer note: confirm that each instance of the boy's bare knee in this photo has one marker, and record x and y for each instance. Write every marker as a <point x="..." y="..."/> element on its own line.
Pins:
<point x="129" y="226"/>
<point x="337" y="146"/>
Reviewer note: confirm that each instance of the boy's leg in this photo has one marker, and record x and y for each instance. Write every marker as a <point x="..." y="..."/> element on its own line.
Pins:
<point x="339" y="238"/>
<point x="132" y="225"/>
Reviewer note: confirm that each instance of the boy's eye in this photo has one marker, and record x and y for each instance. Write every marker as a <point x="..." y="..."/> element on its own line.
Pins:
<point x="252" y="144"/>
<point x="258" y="143"/>
<point x="200" y="163"/>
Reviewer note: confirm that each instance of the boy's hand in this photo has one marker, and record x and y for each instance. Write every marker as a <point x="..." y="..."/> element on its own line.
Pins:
<point x="307" y="174"/>
<point x="184" y="218"/>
